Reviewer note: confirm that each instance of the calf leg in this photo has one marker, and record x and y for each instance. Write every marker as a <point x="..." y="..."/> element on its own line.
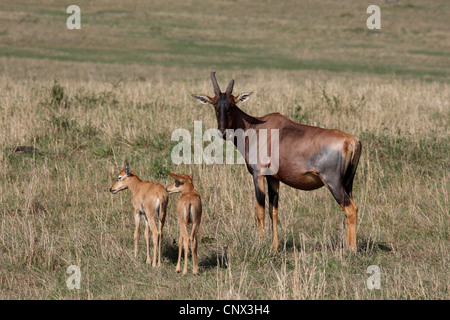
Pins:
<point x="193" y="241"/>
<point x="183" y="244"/>
<point x="149" y="210"/>
<point x="147" y="240"/>
<point x="186" y="252"/>
<point x="161" y="226"/>
<point x="137" y="221"/>
<point x="160" y="237"/>
<point x="155" y="237"/>
<point x="180" y="248"/>
<point x="160" y="215"/>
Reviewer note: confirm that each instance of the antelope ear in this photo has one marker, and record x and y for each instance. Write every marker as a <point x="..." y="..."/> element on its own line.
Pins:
<point x="242" y="97"/>
<point x="173" y="175"/>
<point x="191" y="176"/>
<point x="176" y="177"/>
<point x="202" y="98"/>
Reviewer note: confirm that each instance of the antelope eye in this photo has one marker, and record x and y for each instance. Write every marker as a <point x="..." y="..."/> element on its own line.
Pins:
<point x="119" y="178"/>
<point x="177" y="184"/>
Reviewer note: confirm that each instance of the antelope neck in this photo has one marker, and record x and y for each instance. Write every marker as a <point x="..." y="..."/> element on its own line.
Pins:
<point x="242" y="120"/>
<point x="188" y="186"/>
<point x="133" y="184"/>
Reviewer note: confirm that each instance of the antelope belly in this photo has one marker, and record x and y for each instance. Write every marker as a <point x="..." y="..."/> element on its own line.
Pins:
<point x="306" y="181"/>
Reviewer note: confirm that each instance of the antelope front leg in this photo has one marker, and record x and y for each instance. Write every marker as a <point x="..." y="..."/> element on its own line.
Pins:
<point x="260" y="203"/>
<point x="273" y="187"/>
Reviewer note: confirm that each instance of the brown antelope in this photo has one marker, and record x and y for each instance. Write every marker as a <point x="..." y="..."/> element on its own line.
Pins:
<point x="309" y="157"/>
<point x="189" y="210"/>
<point x="150" y="200"/>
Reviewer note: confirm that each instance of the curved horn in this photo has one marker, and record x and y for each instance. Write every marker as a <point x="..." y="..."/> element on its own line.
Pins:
<point x="230" y="86"/>
<point x="127" y="170"/>
<point x="214" y="81"/>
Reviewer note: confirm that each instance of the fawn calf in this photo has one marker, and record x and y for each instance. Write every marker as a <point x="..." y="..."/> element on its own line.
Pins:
<point x="189" y="210"/>
<point x="150" y="200"/>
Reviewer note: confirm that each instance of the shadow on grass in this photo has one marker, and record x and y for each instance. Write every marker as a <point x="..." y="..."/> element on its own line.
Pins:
<point x="217" y="257"/>
<point x="369" y="245"/>
<point x="336" y="243"/>
<point x="214" y="260"/>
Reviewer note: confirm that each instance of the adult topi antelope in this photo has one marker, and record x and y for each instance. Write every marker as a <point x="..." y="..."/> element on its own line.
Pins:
<point x="308" y="157"/>
<point x="149" y="200"/>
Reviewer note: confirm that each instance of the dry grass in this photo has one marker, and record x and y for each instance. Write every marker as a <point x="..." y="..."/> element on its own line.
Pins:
<point x="55" y="206"/>
<point x="56" y="209"/>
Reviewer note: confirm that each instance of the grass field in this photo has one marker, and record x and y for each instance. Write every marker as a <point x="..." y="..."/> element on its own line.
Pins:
<point x="84" y="101"/>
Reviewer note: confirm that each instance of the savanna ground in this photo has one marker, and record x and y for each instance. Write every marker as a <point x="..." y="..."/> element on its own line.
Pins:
<point x="84" y="101"/>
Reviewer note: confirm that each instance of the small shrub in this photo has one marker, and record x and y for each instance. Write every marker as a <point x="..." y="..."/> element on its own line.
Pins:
<point x="104" y="151"/>
<point x="58" y="97"/>
<point x="159" y="168"/>
<point x="299" y="116"/>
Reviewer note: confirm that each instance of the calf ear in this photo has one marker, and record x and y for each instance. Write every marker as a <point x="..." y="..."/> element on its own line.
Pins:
<point x="173" y="175"/>
<point x="176" y="177"/>
<point x="202" y="98"/>
<point x="242" y="97"/>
